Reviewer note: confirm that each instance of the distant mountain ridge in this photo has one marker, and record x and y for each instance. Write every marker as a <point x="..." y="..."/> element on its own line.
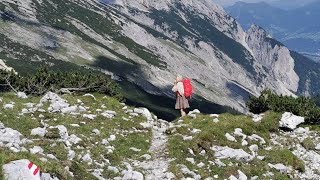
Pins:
<point x="296" y="28"/>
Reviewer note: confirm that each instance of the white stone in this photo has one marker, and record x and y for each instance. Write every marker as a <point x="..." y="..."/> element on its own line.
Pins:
<point x="188" y="172"/>
<point x="113" y="169"/>
<point x="82" y="109"/>
<point x="51" y="156"/>
<point x="232" y="177"/>
<point x="87" y="158"/>
<point x="22" y="95"/>
<point x="201" y="165"/>
<point x="47" y="176"/>
<point x="215" y="120"/>
<point x="187" y="138"/>
<point x="69" y="109"/>
<point x="242" y="176"/>
<point x="145" y="112"/>
<point x="8" y="106"/>
<point x="280" y="167"/>
<point x="230" y="138"/>
<point x="96" y="131"/>
<point x="146" y="125"/>
<point x="89" y="95"/>
<point x="105" y="142"/>
<point x="112" y="138"/>
<point x="195" y="111"/>
<point x="229" y="153"/>
<point x="71" y="155"/>
<point x="214" y="115"/>
<point x="135" y="149"/>
<point x="146" y="156"/>
<point x="10" y="137"/>
<point x="257" y="118"/>
<point x="19" y="170"/>
<point x="254" y="148"/>
<point x="191" y="160"/>
<point x="132" y="175"/>
<point x="63" y="132"/>
<point x="255" y="137"/>
<point x="244" y="143"/>
<point x="290" y="121"/>
<point x="89" y="116"/>
<point x="74" y="139"/>
<point x="39" y="132"/>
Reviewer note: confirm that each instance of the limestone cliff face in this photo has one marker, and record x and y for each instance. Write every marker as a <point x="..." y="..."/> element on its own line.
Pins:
<point x="275" y="59"/>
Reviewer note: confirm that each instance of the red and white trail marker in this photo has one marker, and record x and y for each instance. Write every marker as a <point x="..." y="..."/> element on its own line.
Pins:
<point x="33" y="168"/>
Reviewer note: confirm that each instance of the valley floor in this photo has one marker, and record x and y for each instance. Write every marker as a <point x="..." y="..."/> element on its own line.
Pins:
<point x="97" y="137"/>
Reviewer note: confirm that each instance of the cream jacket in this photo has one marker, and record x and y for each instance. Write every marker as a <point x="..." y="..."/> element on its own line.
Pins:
<point x="178" y="88"/>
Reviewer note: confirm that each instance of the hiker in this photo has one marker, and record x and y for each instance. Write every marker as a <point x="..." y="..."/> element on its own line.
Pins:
<point x="182" y="102"/>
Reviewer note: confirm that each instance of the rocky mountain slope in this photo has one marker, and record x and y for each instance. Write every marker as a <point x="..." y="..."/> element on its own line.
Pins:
<point x="148" y="42"/>
<point x="295" y="28"/>
<point x="96" y="137"/>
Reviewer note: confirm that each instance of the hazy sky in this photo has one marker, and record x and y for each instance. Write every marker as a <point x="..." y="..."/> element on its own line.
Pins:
<point x="292" y="2"/>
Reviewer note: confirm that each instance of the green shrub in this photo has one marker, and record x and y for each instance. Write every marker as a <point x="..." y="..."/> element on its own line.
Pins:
<point x="301" y="106"/>
<point x="44" y="80"/>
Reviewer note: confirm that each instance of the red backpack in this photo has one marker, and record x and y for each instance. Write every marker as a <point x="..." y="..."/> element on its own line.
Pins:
<point x="187" y="86"/>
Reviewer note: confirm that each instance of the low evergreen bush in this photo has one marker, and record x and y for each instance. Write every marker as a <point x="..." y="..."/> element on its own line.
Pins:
<point x="44" y="80"/>
<point x="301" y="106"/>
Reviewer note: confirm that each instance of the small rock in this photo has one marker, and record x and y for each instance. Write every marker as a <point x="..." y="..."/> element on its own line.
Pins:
<point x="86" y="158"/>
<point x="195" y="111"/>
<point x="51" y="156"/>
<point x="257" y="118"/>
<point x="201" y="165"/>
<point x="232" y="177"/>
<point x="230" y="138"/>
<point x="74" y="139"/>
<point x="260" y="158"/>
<point x="135" y="149"/>
<point x="146" y="156"/>
<point x="39" y="132"/>
<point x="244" y="143"/>
<point x="89" y="95"/>
<point x="146" y="125"/>
<point x="191" y="160"/>
<point x="254" y="148"/>
<point x="280" y="167"/>
<point x="214" y="115"/>
<point x="215" y="120"/>
<point x="96" y="131"/>
<point x="242" y="176"/>
<point x="113" y="169"/>
<point x="36" y="150"/>
<point x="290" y="121"/>
<point x="132" y="175"/>
<point x="89" y="116"/>
<point x="112" y="138"/>
<point x="105" y="142"/>
<point x="47" y="176"/>
<point x="22" y="95"/>
<point x="8" y="106"/>
<point x="71" y="155"/>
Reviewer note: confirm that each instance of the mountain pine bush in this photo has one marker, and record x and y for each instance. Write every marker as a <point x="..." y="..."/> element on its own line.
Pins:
<point x="44" y="80"/>
<point x="301" y="106"/>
